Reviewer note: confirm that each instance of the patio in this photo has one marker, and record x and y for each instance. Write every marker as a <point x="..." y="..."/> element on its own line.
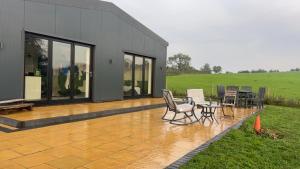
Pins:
<point x="49" y="115"/>
<point x="132" y="140"/>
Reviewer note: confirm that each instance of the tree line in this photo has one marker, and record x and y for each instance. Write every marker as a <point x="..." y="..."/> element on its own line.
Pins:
<point x="181" y="63"/>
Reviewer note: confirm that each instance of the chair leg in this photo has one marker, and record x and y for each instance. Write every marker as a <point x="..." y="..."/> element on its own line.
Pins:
<point x="173" y="119"/>
<point x="193" y="112"/>
<point x="223" y="111"/>
<point x="163" y="117"/>
<point x="232" y="111"/>
<point x="188" y="117"/>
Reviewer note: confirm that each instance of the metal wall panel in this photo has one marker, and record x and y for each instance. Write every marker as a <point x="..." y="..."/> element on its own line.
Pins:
<point x="110" y="65"/>
<point x="138" y="41"/>
<point x="67" y="22"/>
<point x="40" y="17"/>
<point x="89" y="25"/>
<point x="12" y="59"/>
<point x="125" y="38"/>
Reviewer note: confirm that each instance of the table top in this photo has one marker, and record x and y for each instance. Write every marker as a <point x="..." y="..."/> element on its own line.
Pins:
<point x="213" y="105"/>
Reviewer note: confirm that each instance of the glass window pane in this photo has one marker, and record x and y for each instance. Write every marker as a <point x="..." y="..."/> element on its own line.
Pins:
<point x="36" y="68"/>
<point x="61" y="62"/>
<point x="82" y="72"/>
<point x="127" y="85"/>
<point x="138" y="74"/>
<point x="148" y="77"/>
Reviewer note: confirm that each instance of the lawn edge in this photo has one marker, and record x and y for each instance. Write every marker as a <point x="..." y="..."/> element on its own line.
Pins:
<point x="187" y="157"/>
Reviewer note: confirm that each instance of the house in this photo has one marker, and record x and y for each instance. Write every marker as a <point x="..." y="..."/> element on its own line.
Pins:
<point x="61" y="51"/>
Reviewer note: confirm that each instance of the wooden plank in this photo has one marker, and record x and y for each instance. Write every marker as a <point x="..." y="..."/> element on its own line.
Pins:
<point x="11" y="101"/>
<point x="27" y="106"/>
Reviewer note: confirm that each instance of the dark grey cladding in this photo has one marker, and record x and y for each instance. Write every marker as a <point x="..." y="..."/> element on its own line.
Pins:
<point x="102" y="24"/>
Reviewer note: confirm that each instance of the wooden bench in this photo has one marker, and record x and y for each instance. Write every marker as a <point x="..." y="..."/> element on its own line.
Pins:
<point x="8" y="106"/>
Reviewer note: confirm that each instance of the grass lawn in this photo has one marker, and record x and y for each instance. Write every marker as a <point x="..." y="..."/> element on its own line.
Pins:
<point x="241" y="148"/>
<point x="284" y="84"/>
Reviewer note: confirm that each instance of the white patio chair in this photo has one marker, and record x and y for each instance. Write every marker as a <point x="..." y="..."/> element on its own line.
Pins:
<point x="197" y="95"/>
<point x="184" y="109"/>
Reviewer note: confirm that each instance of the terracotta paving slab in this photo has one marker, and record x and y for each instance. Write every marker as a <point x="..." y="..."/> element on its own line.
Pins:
<point x="133" y="140"/>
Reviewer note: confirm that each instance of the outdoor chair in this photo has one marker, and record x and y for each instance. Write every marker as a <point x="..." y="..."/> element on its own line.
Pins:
<point x="246" y="88"/>
<point x="235" y="89"/>
<point x="232" y="88"/>
<point x="187" y="109"/>
<point x="259" y="100"/>
<point x="220" y="92"/>
<point x="208" y="108"/>
<point x="244" y="96"/>
<point x="229" y="100"/>
<point x="197" y="96"/>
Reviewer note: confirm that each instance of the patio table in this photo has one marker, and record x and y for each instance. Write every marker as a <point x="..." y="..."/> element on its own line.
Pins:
<point x="244" y="95"/>
<point x="208" y="111"/>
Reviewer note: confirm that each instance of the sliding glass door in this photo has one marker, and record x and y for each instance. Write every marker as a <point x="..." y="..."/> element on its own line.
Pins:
<point x="148" y="76"/>
<point x="61" y="71"/>
<point x="137" y="76"/>
<point x="127" y="75"/>
<point x="56" y="70"/>
<point x="82" y="71"/>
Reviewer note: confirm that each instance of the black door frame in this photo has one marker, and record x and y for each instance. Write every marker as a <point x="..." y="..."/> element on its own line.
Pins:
<point x="143" y="95"/>
<point x="72" y="43"/>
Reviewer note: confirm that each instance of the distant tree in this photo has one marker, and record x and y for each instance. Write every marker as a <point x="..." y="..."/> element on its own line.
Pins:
<point x="228" y="72"/>
<point x="295" y="70"/>
<point x="259" y="71"/>
<point x="275" y="70"/>
<point x="205" y="69"/>
<point x="180" y="62"/>
<point x="244" y="71"/>
<point x="217" y="69"/>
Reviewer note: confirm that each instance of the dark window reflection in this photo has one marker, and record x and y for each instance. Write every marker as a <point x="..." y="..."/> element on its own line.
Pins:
<point x="36" y="68"/>
<point x="127" y="85"/>
<point x="137" y="76"/>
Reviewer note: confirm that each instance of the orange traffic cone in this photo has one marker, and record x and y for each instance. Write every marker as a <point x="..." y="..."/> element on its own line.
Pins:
<point x="257" y="124"/>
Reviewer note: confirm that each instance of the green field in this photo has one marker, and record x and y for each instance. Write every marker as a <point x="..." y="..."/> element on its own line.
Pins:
<point x="284" y="84"/>
<point x="242" y="148"/>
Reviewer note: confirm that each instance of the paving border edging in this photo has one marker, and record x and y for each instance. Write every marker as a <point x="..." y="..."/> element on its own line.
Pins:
<point x="31" y="124"/>
<point x="186" y="158"/>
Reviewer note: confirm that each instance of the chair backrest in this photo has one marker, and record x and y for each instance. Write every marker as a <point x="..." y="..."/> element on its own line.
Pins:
<point x="246" y="88"/>
<point x="230" y="97"/>
<point x="168" y="97"/>
<point x="232" y="88"/>
<point x="197" y="95"/>
<point x="261" y="93"/>
<point x="220" y="91"/>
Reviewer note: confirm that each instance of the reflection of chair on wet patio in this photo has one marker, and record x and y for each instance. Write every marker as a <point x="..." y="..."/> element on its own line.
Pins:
<point x="187" y="109"/>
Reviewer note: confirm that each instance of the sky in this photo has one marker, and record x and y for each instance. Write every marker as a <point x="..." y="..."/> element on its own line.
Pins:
<point x="237" y="35"/>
